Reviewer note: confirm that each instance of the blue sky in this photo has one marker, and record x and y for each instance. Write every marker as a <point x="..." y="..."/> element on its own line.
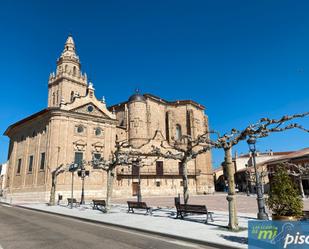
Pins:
<point x="241" y="59"/>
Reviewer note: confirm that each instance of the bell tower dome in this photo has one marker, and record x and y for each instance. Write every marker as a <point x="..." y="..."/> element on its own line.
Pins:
<point x="68" y="81"/>
<point x="138" y="127"/>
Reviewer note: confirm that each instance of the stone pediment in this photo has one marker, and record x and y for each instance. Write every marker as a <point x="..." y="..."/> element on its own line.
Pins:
<point x="79" y="145"/>
<point x="90" y="109"/>
<point x="88" y="105"/>
<point x="98" y="144"/>
<point x="98" y="147"/>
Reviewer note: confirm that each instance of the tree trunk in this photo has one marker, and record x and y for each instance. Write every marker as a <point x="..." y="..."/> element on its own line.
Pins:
<point x="185" y="182"/>
<point x="109" y="189"/>
<point x="231" y="198"/>
<point x="52" y="199"/>
<point x="301" y="187"/>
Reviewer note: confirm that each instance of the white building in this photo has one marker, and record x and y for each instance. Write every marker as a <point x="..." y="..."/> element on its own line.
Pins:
<point x="3" y="170"/>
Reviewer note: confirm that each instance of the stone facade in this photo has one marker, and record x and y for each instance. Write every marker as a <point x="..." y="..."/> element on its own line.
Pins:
<point x="76" y="125"/>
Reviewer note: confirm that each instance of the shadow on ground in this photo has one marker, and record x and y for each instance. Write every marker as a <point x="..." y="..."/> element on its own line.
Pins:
<point x="241" y="240"/>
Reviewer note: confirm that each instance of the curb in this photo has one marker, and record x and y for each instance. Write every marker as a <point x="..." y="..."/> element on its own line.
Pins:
<point x="195" y="241"/>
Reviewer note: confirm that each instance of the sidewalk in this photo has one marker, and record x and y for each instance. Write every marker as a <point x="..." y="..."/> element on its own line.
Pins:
<point x="161" y="222"/>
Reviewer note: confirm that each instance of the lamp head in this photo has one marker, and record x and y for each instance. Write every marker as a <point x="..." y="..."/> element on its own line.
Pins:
<point x="251" y="142"/>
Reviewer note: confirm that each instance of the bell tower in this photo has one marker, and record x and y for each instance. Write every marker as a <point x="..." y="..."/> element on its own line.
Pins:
<point x="68" y="82"/>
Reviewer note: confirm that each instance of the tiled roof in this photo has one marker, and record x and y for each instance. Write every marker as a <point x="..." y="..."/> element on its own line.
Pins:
<point x="293" y="155"/>
<point x="161" y="100"/>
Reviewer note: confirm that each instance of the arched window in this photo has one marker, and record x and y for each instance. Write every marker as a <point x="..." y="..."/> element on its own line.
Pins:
<point x="74" y="70"/>
<point x="57" y="99"/>
<point x="54" y="98"/>
<point x="72" y="96"/>
<point x="178" y="132"/>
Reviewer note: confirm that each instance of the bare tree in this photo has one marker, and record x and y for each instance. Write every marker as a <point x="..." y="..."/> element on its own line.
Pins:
<point x="57" y="171"/>
<point x="122" y="155"/>
<point x="183" y="150"/>
<point x="297" y="171"/>
<point x="140" y="161"/>
<point x="116" y="158"/>
<point x="262" y="174"/>
<point x="263" y="128"/>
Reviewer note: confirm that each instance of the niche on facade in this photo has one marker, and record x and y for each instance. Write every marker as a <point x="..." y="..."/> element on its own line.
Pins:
<point x="178" y="132"/>
<point x="79" y="145"/>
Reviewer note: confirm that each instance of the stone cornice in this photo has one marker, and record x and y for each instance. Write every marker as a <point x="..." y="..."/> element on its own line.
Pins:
<point x="53" y="112"/>
<point x="162" y="101"/>
<point x="68" y="113"/>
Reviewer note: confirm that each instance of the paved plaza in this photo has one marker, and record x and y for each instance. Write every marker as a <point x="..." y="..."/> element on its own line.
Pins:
<point x="216" y="202"/>
<point x="163" y="221"/>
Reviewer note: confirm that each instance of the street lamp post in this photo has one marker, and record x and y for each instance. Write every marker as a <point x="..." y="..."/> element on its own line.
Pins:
<point x="82" y="173"/>
<point x="247" y="180"/>
<point x="82" y="198"/>
<point x="72" y="169"/>
<point x="262" y="215"/>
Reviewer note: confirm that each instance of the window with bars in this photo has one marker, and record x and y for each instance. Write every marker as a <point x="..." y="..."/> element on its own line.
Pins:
<point x="30" y="166"/>
<point x="180" y="168"/>
<point x="97" y="156"/>
<point x="42" y="162"/>
<point x="135" y="170"/>
<point x="18" y="166"/>
<point x="159" y="168"/>
<point x="78" y="159"/>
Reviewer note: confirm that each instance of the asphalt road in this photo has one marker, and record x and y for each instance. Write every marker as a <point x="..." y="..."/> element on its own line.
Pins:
<point x="20" y="228"/>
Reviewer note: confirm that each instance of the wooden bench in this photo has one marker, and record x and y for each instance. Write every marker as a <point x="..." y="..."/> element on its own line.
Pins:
<point x="138" y="205"/>
<point x="99" y="205"/>
<point x="193" y="209"/>
<point x="74" y="201"/>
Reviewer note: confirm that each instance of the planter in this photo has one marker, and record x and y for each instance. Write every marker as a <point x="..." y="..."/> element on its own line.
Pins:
<point x="285" y="218"/>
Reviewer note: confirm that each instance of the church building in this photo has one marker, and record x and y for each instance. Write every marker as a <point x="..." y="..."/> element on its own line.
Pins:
<point x="77" y="126"/>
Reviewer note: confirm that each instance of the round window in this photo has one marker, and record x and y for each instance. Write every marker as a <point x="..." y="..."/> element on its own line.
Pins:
<point x="98" y="131"/>
<point x="80" y="129"/>
<point x="90" y="108"/>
